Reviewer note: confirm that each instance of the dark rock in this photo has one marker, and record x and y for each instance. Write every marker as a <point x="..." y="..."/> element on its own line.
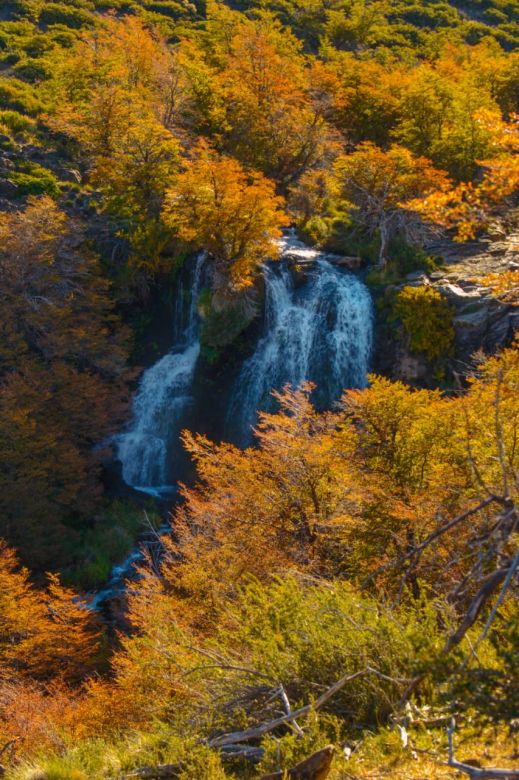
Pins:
<point x="487" y="326"/>
<point x="417" y="276"/>
<point x="8" y="189"/>
<point x="351" y="263"/>
<point x="409" y="368"/>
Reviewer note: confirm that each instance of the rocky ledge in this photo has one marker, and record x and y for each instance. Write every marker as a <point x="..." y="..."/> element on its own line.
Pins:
<point x="482" y="322"/>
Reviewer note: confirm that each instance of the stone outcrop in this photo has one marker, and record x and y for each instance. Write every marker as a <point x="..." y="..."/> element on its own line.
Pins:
<point x="482" y="322"/>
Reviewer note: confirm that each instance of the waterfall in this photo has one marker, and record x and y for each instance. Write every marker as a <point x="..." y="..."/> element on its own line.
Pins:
<point x="320" y="331"/>
<point x="146" y="448"/>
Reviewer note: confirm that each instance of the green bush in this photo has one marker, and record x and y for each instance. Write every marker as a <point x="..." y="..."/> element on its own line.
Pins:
<point x="107" y="543"/>
<point x="61" y="13"/>
<point x="306" y="637"/>
<point x="427" y="318"/>
<point x="31" y="70"/>
<point x="18" y="96"/>
<point x="15" y="122"/>
<point x="171" y="9"/>
<point x="62" y="35"/>
<point x="34" y="179"/>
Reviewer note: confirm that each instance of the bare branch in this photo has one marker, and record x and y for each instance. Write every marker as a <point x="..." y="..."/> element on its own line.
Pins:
<point x="476" y="773"/>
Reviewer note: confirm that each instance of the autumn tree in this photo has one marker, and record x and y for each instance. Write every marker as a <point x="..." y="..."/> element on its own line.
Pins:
<point x="235" y="215"/>
<point x="470" y="207"/>
<point x="61" y="378"/>
<point x="270" y="121"/>
<point x="43" y="633"/>
<point x="124" y="111"/>
<point x="378" y="186"/>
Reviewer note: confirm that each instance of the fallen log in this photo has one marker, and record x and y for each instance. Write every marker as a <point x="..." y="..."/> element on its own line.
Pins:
<point x="317" y="767"/>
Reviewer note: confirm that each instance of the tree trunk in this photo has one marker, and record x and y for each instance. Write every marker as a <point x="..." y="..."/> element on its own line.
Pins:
<point x="384" y="241"/>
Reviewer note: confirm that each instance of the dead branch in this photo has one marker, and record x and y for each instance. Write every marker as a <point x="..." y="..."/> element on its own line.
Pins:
<point x="491" y="583"/>
<point x="264" y="728"/>
<point x="477" y="773"/>
<point x="288" y="711"/>
<point x="258" y="731"/>
<point x="508" y="581"/>
<point x="9" y="745"/>
<point x="317" y="767"/>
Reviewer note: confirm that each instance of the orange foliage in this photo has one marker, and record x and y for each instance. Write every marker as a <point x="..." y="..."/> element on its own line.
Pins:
<point x="217" y="206"/>
<point x="43" y="633"/>
<point x="61" y="377"/>
<point x="469" y="208"/>
<point x="379" y="186"/>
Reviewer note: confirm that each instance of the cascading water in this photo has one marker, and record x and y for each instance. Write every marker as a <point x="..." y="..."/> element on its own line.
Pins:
<point x="146" y="448"/>
<point x="320" y="331"/>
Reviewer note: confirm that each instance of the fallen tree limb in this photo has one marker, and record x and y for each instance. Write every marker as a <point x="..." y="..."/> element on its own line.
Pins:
<point x="258" y="731"/>
<point x="317" y="767"/>
<point x="474" y="772"/>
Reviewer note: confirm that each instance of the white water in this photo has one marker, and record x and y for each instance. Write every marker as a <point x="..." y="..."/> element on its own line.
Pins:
<point x="164" y="394"/>
<point x="320" y="332"/>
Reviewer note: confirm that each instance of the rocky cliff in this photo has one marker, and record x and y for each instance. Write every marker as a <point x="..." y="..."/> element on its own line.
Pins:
<point x="482" y="321"/>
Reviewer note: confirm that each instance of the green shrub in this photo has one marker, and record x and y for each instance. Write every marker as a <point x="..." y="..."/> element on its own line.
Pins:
<point x="63" y="35"/>
<point x="34" y="179"/>
<point x="31" y="70"/>
<point x="15" y="122"/>
<point x="427" y="318"/>
<point x="306" y="637"/>
<point x="61" y="13"/>
<point x="108" y="543"/>
<point x="171" y="9"/>
<point x="18" y="96"/>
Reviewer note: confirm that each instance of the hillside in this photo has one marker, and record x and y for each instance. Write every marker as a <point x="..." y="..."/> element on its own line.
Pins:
<point x="259" y="408"/>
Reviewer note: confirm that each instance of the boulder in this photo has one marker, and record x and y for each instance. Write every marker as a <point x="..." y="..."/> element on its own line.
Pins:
<point x="456" y="293"/>
<point x="351" y="263"/>
<point x="417" y="276"/>
<point x="410" y="368"/>
<point x="8" y="189"/>
<point x="487" y="325"/>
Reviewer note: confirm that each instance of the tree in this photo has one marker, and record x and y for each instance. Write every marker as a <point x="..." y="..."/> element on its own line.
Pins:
<point x="43" y="634"/>
<point x="427" y="318"/>
<point x="470" y="207"/>
<point x="378" y="186"/>
<point x="124" y="109"/>
<point x="235" y="215"/>
<point x="270" y="124"/>
<point x="62" y="378"/>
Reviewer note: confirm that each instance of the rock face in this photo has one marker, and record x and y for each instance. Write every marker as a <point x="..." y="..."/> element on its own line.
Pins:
<point x="482" y="323"/>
